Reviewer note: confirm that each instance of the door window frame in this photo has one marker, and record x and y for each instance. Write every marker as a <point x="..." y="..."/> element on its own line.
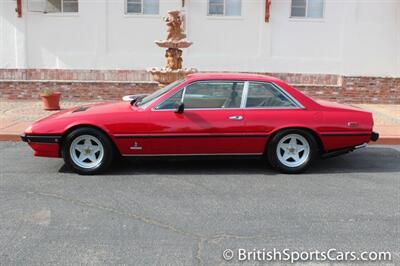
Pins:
<point x="296" y="104"/>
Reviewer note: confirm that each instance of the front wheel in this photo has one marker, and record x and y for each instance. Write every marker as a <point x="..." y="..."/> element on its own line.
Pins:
<point x="87" y="151"/>
<point x="292" y="151"/>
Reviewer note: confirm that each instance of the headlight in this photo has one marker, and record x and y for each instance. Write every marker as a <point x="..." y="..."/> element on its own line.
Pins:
<point x="28" y="130"/>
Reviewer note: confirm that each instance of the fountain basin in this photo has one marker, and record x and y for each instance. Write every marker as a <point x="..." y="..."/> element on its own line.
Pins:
<point x="165" y="76"/>
<point x="173" y="44"/>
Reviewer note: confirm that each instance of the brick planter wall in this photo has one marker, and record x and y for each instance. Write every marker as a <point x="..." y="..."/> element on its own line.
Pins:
<point x="85" y="91"/>
<point x="112" y="84"/>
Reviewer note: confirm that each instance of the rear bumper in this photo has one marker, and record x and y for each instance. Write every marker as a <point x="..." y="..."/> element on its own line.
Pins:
<point x="338" y="152"/>
<point x="374" y="136"/>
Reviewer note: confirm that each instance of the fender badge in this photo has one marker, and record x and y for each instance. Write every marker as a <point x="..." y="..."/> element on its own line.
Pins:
<point x="352" y="124"/>
<point x="136" y="146"/>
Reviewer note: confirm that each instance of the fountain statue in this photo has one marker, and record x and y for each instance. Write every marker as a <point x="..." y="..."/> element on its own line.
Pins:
<point x="175" y="41"/>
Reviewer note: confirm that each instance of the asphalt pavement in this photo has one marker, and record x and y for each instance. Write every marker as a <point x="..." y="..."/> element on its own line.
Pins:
<point x="188" y="211"/>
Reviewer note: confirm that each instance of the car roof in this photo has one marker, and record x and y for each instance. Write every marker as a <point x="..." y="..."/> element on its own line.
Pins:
<point x="230" y="76"/>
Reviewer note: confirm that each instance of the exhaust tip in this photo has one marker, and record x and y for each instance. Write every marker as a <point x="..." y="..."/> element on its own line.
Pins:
<point x="374" y="136"/>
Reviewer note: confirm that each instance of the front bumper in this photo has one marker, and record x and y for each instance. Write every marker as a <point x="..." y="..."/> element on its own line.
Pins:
<point x="41" y="138"/>
<point x="374" y="136"/>
<point x="44" y="145"/>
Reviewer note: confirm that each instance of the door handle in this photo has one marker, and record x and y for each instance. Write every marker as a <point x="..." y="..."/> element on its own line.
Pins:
<point x="236" y="117"/>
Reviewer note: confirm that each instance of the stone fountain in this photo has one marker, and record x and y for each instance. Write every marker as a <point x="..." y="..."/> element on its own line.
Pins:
<point x="174" y="43"/>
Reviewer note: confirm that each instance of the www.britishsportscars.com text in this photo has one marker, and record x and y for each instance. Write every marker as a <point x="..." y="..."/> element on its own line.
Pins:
<point x="292" y="256"/>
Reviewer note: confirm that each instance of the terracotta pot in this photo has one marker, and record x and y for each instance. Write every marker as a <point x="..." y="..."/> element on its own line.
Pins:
<point x="52" y="101"/>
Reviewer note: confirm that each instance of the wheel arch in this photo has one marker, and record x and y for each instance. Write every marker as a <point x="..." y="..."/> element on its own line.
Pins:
<point x="82" y="125"/>
<point x="314" y="133"/>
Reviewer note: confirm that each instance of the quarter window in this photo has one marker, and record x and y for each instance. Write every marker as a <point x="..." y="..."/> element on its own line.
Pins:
<point x="148" y="7"/>
<point x="265" y="95"/>
<point x="224" y="7"/>
<point x="307" y="8"/>
<point x="218" y="94"/>
<point x="172" y="102"/>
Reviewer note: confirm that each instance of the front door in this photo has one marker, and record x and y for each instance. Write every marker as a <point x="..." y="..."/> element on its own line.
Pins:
<point x="211" y="123"/>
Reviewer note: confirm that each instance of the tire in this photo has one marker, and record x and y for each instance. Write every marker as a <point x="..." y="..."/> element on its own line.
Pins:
<point x="292" y="151"/>
<point x="87" y="151"/>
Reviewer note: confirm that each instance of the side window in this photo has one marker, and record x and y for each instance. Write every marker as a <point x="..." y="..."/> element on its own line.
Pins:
<point x="266" y="95"/>
<point x="172" y="102"/>
<point x="214" y="94"/>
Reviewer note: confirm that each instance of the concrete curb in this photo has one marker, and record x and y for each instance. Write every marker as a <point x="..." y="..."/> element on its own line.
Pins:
<point x="10" y="137"/>
<point x="381" y="140"/>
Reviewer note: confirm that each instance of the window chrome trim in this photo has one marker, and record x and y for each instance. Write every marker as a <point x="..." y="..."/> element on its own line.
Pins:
<point x="294" y="100"/>
<point x="297" y="104"/>
<point x="202" y="81"/>
<point x="244" y="94"/>
<point x="243" y="103"/>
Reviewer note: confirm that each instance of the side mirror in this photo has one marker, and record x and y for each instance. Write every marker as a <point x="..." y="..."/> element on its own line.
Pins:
<point x="180" y="108"/>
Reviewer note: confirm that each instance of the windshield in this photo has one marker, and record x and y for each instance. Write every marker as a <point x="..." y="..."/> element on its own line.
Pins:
<point x="159" y="92"/>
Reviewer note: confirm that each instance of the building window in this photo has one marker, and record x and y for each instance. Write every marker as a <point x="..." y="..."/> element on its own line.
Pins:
<point x="61" y="6"/>
<point x="307" y="8"/>
<point x="53" y="6"/>
<point x="147" y="7"/>
<point x="224" y="7"/>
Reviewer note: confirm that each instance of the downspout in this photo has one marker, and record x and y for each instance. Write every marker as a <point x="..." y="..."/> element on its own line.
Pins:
<point x="18" y="9"/>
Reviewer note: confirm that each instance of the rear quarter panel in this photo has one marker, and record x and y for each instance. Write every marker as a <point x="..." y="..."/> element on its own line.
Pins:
<point x="345" y="128"/>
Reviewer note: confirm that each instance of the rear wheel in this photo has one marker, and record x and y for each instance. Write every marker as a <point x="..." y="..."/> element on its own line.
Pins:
<point x="87" y="151"/>
<point x="292" y="150"/>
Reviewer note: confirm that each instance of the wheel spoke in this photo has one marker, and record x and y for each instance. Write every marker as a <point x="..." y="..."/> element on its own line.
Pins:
<point x="284" y="146"/>
<point x="95" y="149"/>
<point x="82" y="157"/>
<point x="286" y="156"/>
<point x="296" y="157"/>
<point x="92" y="157"/>
<point x="300" y="148"/>
<point x="80" y="148"/>
<point x="293" y="141"/>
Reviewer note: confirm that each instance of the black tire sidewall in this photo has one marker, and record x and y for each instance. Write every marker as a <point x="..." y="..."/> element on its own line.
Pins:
<point x="272" y="155"/>
<point x="103" y="138"/>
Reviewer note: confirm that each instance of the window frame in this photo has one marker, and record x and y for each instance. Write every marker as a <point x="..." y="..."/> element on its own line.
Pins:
<point x="203" y="81"/>
<point x="296" y="103"/>
<point x="68" y="1"/>
<point x="306" y="17"/>
<point x="141" y="10"/>
<point x="224" y="10"/>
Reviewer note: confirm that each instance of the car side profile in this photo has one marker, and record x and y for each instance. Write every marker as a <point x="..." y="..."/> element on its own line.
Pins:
<point x="205" y="114"/>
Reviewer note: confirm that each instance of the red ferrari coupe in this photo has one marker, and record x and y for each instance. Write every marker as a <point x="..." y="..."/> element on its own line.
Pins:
<point x="205" y="114"/>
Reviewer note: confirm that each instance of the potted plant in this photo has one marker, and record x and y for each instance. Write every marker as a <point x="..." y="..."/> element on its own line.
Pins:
<point x="50" y="99"/>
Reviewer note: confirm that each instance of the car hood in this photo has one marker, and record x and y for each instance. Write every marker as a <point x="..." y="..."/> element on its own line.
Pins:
<point x="92" y="109"/>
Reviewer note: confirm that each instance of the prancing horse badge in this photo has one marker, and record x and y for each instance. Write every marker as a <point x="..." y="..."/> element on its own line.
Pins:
<point x="136" y="146"/>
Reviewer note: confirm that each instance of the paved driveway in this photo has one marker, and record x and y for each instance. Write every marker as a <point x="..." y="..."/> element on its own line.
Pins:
<point x="187" y="211"/>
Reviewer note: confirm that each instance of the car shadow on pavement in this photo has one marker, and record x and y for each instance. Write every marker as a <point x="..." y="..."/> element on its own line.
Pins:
<point x="377" y="159"/>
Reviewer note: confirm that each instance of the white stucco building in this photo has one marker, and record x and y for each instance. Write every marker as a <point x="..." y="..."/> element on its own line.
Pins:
<point x="347" y="37"/>
<point x="341" y="50"/>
